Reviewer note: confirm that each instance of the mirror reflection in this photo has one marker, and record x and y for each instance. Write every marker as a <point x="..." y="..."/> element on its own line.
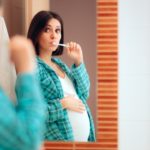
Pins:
<point x="65" y="89"/>
<point x="79" y="35"/>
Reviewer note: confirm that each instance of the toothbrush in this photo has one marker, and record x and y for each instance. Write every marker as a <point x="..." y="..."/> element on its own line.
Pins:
<point x="64" y="45"/>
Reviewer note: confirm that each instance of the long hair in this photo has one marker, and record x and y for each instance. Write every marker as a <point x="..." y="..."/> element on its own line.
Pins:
<point x="37" y="25"/>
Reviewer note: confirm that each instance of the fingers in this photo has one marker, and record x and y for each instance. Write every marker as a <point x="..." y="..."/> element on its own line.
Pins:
<point x="19" y="43"/>
<point x="22" y="54"/>
<point x="74" y="51"/>
<point x="73" y="104"/>
<point x="79" y="107"/>
<point x="72" y="46"/>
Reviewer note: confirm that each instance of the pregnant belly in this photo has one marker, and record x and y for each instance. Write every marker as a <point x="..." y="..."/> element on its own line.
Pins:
<point x="80" y="125"/>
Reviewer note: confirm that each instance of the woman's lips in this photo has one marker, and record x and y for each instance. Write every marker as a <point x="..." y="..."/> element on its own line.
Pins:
<point x="54" y="42"/>
<point x="51" y="45"/>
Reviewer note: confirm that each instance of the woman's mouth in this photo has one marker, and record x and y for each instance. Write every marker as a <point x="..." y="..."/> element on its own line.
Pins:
<point x="55" y="43"/>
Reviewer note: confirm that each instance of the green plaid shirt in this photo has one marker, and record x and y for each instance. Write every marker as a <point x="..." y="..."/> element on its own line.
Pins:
<point x="58" y="126"/>
<point x="22" y="126"/>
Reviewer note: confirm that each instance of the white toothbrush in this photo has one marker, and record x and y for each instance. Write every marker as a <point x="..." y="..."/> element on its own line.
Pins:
<point x="64" y="45"/>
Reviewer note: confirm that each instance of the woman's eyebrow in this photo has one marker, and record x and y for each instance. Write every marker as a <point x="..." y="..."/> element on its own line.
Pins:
<point x="48" y="25"/>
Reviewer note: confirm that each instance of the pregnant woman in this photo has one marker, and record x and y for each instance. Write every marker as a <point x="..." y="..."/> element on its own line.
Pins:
<point x="65" y="90"/>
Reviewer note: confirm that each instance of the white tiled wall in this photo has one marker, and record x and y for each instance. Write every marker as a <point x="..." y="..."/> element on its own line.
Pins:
<point x="134" y="75"/>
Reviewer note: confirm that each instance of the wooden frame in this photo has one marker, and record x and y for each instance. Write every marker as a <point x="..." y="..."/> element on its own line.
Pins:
<point x="31" y="8"/>
<point x="107" y="83"/>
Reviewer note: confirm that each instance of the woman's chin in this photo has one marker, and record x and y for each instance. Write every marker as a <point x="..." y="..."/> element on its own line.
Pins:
<point x="52" y="49"/>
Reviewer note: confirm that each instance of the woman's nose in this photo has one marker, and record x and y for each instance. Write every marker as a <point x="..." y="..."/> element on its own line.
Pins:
<point x="53" y="34"/>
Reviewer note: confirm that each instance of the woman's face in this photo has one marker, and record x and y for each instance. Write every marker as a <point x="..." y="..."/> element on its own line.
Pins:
<point x="50" y="36"/>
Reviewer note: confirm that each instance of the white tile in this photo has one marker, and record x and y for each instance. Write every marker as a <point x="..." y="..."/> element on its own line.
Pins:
<point x="134" y="12"/>
<point x="134" y="50"/>
<point x="134" y="135"/>
<point x="134" y="97"/>
<point x="134" y="35"/>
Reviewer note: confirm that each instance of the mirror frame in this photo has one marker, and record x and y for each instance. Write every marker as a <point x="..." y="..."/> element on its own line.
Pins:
<point x="107" y="83"/>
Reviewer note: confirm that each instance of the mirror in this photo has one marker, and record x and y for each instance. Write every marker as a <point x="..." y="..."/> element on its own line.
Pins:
<point x="82" y="31"/>
<point x="98" y="37"/>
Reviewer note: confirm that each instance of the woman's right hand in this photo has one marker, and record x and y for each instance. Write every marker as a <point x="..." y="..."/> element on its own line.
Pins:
<point x="73" y="104"/>
<point x="22" y="54"/>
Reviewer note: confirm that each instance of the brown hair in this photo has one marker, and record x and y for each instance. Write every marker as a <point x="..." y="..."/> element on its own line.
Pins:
<point x="38" y="23"/>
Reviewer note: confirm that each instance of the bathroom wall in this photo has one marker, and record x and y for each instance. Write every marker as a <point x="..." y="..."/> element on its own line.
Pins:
<point x="134" y="75"/>
<point x="14" y="14"/>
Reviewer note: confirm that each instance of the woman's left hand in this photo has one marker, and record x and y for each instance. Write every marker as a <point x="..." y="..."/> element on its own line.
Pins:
<point x="74" y="51"/>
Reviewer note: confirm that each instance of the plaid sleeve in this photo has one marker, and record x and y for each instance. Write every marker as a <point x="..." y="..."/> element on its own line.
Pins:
<point x="22" y="127"/>
<point x="54" y="107"/>
<point x="55" y="111"/>
<point x="82" y="81"/>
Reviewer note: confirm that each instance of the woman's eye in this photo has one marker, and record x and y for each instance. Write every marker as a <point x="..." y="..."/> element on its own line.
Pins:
<point x="47" y="30"/>
<point x="58" y="30"/>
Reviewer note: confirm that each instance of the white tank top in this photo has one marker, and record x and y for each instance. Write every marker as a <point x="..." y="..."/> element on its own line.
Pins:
<point x="79" y="121"/>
